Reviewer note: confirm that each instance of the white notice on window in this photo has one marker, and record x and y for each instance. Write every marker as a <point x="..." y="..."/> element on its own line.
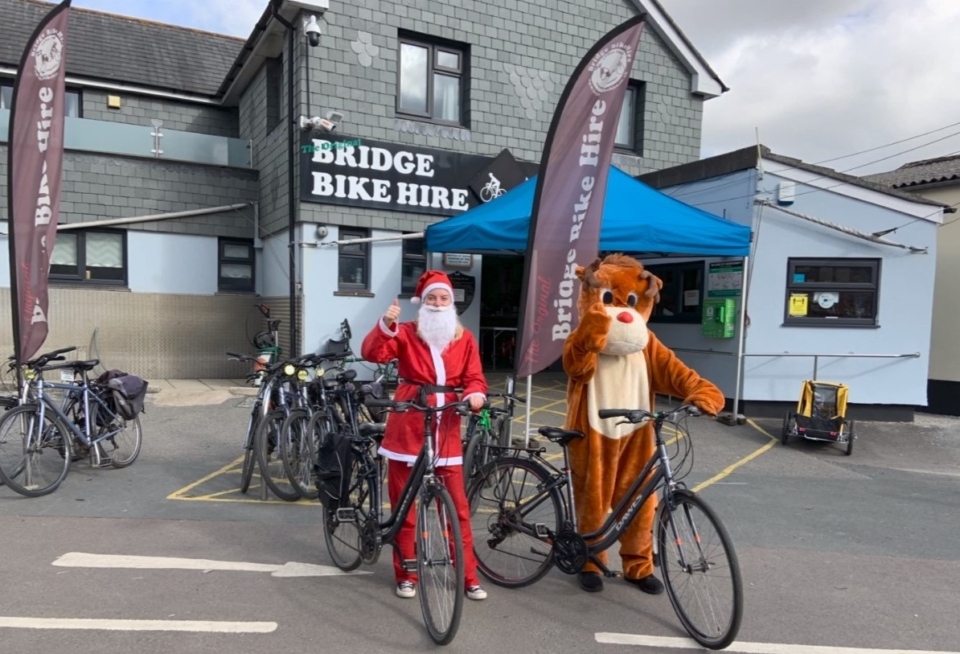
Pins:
<point x="691" y="298"/>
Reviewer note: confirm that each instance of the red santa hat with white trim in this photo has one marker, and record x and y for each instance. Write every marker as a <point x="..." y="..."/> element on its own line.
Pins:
<point x="431" y="281"/>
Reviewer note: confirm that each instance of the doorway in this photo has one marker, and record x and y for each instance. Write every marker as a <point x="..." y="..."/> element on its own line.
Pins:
<point x="500" y="289"/>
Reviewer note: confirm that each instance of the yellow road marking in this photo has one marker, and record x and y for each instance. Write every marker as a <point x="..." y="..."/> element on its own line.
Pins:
<point x="750" y="457"/>
<point x="176" y="495"/>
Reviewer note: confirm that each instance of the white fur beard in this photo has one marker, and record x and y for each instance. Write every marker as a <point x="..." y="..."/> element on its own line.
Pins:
<point x="437" y="325"/>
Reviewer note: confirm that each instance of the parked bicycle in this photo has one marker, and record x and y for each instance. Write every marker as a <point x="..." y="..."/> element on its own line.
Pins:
<point x="355" y="530"/>
<point x="41" y="437"/>
<point x="488" y="432"/>
<point x="524" y="522"/>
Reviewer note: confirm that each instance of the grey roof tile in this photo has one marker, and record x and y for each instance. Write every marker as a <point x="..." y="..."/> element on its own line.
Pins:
<point x="916" y="173"/>
<point x="120" y="49"/>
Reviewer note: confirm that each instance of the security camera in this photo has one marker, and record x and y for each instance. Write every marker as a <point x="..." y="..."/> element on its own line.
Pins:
<point x="326" y="124"/>
<point x="312" y="29"/>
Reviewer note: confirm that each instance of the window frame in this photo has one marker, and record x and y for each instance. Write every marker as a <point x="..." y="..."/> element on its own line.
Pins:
<point x="346" y="234"/>
<point x="406" y="258"/>
<point x="680" y="318"/>
<point x="231" y="284"/>
<point x="635" y="147"/>
<point x="433" y="45"/>
<point x="792" y="287"/>
<point x="80" y="279"/>
<point x="8" y="83"/>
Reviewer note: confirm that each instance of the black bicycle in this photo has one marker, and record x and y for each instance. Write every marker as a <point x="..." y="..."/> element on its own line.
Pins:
<point x="524" y="522"/>
<point x="355" y="528"/>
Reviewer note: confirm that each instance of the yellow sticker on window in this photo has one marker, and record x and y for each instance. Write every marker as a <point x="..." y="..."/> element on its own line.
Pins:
<point x="798" y="304"/>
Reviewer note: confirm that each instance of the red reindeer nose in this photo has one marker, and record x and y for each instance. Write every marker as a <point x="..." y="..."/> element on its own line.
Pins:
<point x="625" y="316"/>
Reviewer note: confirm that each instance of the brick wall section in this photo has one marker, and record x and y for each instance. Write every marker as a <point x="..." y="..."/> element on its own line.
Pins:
<point x="183" y="116"/>
<point x="97" y="188"/>
<point x="527" y="38"/>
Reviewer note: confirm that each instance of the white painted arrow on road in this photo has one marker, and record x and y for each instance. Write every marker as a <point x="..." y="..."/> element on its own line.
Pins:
<point x="291" y="569"/>
<point x="661" y="643"/>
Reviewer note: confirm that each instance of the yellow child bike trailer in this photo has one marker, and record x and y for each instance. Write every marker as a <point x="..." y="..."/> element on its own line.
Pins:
<point x="820" y="415"/>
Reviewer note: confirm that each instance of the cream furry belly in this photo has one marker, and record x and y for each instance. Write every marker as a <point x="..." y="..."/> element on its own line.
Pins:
<point x="620" y="382"/>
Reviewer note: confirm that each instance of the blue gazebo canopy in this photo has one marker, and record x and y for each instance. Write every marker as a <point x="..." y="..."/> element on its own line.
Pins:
<point x="636" y="218"/>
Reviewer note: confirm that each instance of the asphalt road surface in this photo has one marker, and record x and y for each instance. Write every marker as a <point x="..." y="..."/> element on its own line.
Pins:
<point x="857" y="552"/>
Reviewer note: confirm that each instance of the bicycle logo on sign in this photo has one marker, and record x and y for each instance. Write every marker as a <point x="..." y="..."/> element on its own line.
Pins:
<point x="491" y="189"/>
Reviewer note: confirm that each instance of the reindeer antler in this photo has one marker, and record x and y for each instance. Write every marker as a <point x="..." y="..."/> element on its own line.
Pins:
<point x="653" y="285"/>
<point x="589" y="278"/>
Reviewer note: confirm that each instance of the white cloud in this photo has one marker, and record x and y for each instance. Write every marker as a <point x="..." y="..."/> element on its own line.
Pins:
<point x="825" y="78"/>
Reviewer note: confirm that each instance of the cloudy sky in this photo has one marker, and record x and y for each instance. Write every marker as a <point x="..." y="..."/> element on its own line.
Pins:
<point x="819" y="79"/>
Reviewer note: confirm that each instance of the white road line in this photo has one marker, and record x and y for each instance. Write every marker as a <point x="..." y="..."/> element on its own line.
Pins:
<point x="749" y="648"/>
<point x="141" y="625"/>
<point x="291" y="569"/>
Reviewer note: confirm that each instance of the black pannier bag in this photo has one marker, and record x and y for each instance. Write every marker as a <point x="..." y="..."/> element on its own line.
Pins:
<point x="332" y="470"/>
<point x="129" y="393"/>
<point x="376" y="390"/>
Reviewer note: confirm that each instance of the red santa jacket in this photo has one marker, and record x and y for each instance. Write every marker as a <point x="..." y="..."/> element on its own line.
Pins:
<point x="457" y="365"/>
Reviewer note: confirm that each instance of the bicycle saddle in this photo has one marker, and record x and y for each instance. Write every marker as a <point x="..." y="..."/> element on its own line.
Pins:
<point x="557" y="435"/>
<point x="372" y="429"/>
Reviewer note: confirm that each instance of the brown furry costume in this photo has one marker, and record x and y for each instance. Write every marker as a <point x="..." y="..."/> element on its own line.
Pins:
<point x="614" y="362"/>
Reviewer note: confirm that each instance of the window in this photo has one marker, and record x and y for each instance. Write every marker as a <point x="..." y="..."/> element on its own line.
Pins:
<point x="72" y="101"/>
<point x="431" y="80"/>
<point x="413" y="266"/>
<point x="682" y="293"/>
<point x="236" y="265"/>
<point x="90" y="257"/>
<point x="630" y="127"/>
<point x="274" y="91"/>
<point x="353" y="261"/>
<point x="827" y="292"/>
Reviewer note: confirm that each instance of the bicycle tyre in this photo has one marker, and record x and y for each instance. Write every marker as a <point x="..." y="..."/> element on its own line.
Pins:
<point x="138" y="442"/>
<point x="249" y="450"/>
<point x="267" y="449"/>
<point x="443" y="626"/>
<point x="60" y="442"/>
<point x="292" y="448"/>
<point x="488" y="533"/>
<point x="684" y="500"/>
<point x="363" y="500"/>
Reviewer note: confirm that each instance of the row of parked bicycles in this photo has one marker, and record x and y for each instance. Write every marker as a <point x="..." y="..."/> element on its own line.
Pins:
<point x="315" y="430"/>
<point x="50" y="424"/>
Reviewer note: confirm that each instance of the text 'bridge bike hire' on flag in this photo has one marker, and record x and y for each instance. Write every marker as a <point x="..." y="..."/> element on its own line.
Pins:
<point x="568" y="202"/>
<point x="35" y="166"/>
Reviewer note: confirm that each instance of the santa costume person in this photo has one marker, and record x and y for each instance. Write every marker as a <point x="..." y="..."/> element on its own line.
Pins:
<point x="436" y="350"/>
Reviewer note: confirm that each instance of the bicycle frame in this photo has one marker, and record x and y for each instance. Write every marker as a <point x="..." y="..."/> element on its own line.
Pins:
<point x="45" y="402"/>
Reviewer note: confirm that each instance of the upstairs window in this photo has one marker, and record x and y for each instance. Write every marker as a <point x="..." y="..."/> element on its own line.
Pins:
<point x="354" y="261"/>
<point x="431" y="80"/>
<point x="629" y="136"/>
<point x="236" y="265"/>
<point x="413" y="266"/>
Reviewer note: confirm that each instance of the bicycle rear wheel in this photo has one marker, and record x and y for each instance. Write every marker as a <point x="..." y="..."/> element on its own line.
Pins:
<point x="511" y="519"/>
<point x="34" y="456"/>
<point x="439" y="563"/>
<point x="700" y="570"/>
<point x="343" y="528"/>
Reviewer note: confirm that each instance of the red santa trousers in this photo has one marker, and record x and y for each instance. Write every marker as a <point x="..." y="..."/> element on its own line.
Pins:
<point x="403" y="548"/>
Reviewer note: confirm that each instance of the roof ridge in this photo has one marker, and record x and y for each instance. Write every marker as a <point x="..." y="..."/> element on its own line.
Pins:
<point x="143" y="21"/>
<point x="926" y="162"/>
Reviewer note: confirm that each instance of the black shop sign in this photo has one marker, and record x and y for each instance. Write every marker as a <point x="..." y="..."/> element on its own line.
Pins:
<point x="357" y="172"/>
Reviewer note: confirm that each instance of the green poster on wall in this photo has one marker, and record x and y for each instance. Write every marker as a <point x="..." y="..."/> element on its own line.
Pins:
<point x="725" y="279"/>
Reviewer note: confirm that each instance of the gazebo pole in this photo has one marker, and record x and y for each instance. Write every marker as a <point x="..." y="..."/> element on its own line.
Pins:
<point x="741" y="337"/>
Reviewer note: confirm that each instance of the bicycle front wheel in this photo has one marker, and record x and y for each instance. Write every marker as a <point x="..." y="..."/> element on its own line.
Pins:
<point x="295" y="451"/>
<point x="700" y="570"/>
<point x="439" y="563"/>
<point x="34" y="454"/>
<point x="512" y="519"/>
<point x="269" y="434"/>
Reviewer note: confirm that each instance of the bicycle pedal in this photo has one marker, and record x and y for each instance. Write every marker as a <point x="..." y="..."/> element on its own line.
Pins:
<point x="105" y="462"/>
<point x="410" y="565"/>
<point x="346" y="515"/>
<point x="541" y="530"/>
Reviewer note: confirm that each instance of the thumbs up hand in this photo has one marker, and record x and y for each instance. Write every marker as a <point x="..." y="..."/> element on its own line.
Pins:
<point x="393" y="313"/>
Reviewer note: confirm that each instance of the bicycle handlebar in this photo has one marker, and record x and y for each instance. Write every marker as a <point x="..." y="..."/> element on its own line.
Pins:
<point x="462" y="406"/>
<point x="509" y="396"/>
<point x="639" y="415"/>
